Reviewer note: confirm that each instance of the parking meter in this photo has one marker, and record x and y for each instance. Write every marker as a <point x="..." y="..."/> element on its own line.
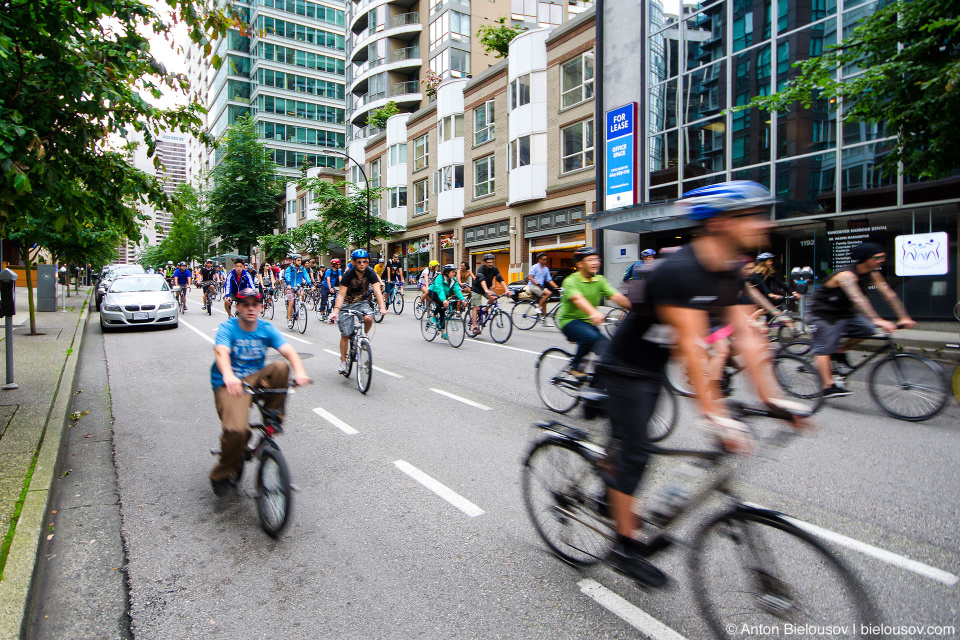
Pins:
<point x="802" y="277"/>
<point x="8" y="293"/>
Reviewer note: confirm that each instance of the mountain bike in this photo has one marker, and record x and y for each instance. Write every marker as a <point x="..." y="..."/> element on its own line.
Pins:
<point x="359" y="352"/>
<point x="501" y="326"/>
<point x="454" y="328"/>
<point x="526" y="314"/>
<point x="749" y="564"/>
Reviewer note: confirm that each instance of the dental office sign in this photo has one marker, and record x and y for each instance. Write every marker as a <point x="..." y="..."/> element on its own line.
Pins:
<point x="621" y="179"/>
<point x="921" y="254"/>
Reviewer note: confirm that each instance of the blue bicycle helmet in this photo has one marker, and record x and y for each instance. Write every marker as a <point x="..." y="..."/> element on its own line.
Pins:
<point x="647" y="252"/>
<point x="359" y="253"/>
<point x="706" y="202"/>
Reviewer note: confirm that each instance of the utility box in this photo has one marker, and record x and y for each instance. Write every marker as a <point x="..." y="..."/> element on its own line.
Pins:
<point x="46" y="287"/>
<point x="8" y="293"/>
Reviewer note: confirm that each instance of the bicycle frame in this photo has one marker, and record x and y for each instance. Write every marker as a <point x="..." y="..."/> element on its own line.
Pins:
<point x="888" y="348"/>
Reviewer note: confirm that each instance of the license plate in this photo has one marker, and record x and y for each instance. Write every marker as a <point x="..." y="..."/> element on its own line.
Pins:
<point x="140" y="316"/>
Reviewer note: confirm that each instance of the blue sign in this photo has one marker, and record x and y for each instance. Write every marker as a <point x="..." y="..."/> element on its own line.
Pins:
<point x="621" y="179"/>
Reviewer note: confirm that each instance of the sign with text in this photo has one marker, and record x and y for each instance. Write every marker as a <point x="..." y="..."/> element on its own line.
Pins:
<point x="921" y="254"/>
<point x="621" y="178"/>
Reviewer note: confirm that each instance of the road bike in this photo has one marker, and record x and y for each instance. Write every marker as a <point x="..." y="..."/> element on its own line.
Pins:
<point x="359" y="352"/>
<point x="299" y="318"/>
<point x="905" y="386"/>
<point x="749" y="565"/>
<point x="268" y="305"/>
<point x="274" y="491"/>
<point x="395" y="298"/>
<point x="454" y="328"/>
<point x="501" y="326"/>
<point x="208" y="295"/>
<point x="526" y="314"/>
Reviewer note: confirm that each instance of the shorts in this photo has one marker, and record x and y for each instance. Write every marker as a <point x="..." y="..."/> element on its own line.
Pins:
<point x="631" y="403"/>
<point x="345" y="320"/>
<point x="291" y="293"/>
<point x="827" y="335"/>
<point x="477" y="299"/>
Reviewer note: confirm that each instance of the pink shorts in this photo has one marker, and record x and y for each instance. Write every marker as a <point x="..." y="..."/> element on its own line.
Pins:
<point x="719" y="334"/>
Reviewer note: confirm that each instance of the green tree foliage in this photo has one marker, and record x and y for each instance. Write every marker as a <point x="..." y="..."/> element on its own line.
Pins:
<point x="909" y="57"/>
<point x="378" y="117"/>
<point x="276" y="246"/>
<point x="343" y="218"/>
<point x="496" y="38"/>
<point x="190" y="233"/>
<point x="245" y="190"/>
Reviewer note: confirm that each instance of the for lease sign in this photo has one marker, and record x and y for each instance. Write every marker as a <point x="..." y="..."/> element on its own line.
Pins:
<point x="621" y="176"/>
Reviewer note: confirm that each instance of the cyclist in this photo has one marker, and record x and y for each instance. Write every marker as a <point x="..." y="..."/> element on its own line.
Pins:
<point x="541" y="283"/>
<point x="239" y="351"/>
<point x="330" y="283"/>
<point x="168" y="272"/>
<point x="381" y="265"/>
<point x="354" y="293"/>
<point x="840" y="309"/>
<point x="766" y="280"/>
<point x="444" y="287"/>
<point x="267" y="278"/>
<point x="207" y="273"/>
<point x="639" y="269"/>
<point x="236" y="280"/>
<point x="673" y="306"/>
<point x="426" y="278"/>
<point x="181" y="278"/>
<point x="482" y="286"/>
<point x="392" y="276"/>
<point x="295" y="275"/>
<point x="465" y="277"/>
<point x="578" y="317"/>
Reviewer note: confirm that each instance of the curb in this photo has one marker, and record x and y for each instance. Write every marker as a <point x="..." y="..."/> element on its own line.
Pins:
<point x="16" y="588"/>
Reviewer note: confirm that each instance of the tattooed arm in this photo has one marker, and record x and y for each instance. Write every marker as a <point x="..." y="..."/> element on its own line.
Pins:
<point x="893" y="300"/>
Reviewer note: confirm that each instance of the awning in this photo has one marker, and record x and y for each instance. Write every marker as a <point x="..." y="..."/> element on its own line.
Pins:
<point x="646" y="218"/>
<point x="480" y="251"/>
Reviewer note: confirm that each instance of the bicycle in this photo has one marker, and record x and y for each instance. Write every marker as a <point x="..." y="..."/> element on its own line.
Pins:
<point x="561" y="391"/>
<point x="359" y="351"/>
<point x="274" y="491"/>
<point x="525" y="315"/>
<point x="612" y="321"/>
<point x="181" y="294"/>
<point x="501" y="326"/>
<point x="454" y="328"/>
<point x="268" y="307"/>
<point x="419" y="306"/>
<point x="299" y="318"/>
<point x="905" y="386"/>
<point x="749" y="564"/>
<point x="208" y="296"/>
<point x="395" y="298"/>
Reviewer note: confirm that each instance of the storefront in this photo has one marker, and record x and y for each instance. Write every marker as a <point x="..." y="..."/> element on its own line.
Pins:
<point x="492" y="237"/>
<point x="447" y="249"/>
<point x="556" y="233"/>
<point x="416" y="256"/>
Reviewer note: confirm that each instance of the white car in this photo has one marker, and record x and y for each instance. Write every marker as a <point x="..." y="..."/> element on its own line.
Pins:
<point x="136" y="301"/>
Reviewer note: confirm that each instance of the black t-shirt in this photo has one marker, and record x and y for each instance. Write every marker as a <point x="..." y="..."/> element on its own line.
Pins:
<point x="641" y="346"/>
<point x="358" y="284"/>
<point x="207" y="274"/>
<point x="832" y="303"/>
<point x="488" y="275"/>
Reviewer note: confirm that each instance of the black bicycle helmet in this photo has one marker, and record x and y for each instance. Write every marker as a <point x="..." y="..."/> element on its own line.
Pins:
<point x="489" y="256"/>
<point x="447" y="268"/>
<point x="584" y="252"/>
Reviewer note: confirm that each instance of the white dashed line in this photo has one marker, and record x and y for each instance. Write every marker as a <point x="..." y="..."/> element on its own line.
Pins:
<point x="632" y="615"/>
<point x="335" y="421"/>
<point x="503" y="346"/>
<point x="463" y="400"/>
<point x="375" y="367"/>
<point x="441" y="490"/>
<point x="197" y="331"/>
<point x="286" y="335"/>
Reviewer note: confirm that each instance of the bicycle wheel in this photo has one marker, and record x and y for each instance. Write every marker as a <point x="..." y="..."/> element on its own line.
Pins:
<point x="210" y="304"/>
<point x="301" y="317"/>
<point x="558" y="389"/>
<point x="525" y="315"/>
<point x="428" y="326"/>
<point x="797" y="347"/>
<point x="562" y="490"/>
<point x="665" y="414"/>
<point x="377" y="316"/>
<point x="799" y="379"/>
<point x="613" y="320"/>
<point x="364" y="365"/>
<point x="397" y="300"/>
<point x="956" y="311"/>
<point x="678" y="379"/>
<point x="501" y="326"/>
<point x="274" y="497"/>
<point x="418" y="308"/>
<point x="956" y="383"/>
<point x="909" y="387"/>
<point x="456" y="329"/>
<point x="269" y="309"/>
<point x="756" y="568"/>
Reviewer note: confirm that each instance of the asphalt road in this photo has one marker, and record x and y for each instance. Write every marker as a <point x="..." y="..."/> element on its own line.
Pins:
<point x="372" y="553"/>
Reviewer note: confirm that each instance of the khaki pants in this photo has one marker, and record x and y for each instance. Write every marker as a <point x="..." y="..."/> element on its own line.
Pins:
<point x="235" y="416"/>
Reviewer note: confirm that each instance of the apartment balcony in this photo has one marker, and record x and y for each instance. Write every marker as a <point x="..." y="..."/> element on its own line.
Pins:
<point x="406" y="94"/>
<point x="405" y="61"/>
<point x="405" y="27"/>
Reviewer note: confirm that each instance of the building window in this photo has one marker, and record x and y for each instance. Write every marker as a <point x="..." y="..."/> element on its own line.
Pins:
<point x="483" y="177"/>
<point x="421" y="152"/>
<point x="302" y="206"/>
<point x="452" y="25"/>
<point x="398" y="197"/>
<point x="520" y="92"/>
<point x="448" y="178"/>
<point x="577" y="142"/>
<point x="398" y="154"/>
<point x="421" y="196"/>
<point x="375" y="173"/>
<point x="452" y="63"/>
<point x="520" y="152"/>
<point x="577" y="80"/>
<point x="451" y="127"/>
<point x="483" y="123"/>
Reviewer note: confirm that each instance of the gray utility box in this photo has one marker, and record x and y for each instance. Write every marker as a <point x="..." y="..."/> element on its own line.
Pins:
<point x="46" y="287"/>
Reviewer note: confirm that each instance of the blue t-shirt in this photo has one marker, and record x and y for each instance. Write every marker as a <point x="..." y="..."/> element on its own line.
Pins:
<point x="334" y="278"/>
<point x="247" y="348"/>
<point x="182" y="276"/>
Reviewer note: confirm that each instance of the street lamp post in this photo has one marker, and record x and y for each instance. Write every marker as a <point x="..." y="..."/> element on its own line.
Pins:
<point x="365" y="181"/>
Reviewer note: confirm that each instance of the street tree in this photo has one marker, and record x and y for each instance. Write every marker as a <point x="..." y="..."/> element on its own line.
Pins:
<point x="908" y="60"/>
<point x="343" y="213"/>
<point x="276" y="246"/>
<point x="245" y="190"/>
<point x="496" y="38"/>
<point x="190" y="233"/>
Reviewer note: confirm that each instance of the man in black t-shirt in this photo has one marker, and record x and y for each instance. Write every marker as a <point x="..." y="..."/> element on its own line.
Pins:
<point x="483" y="287"/>
<point x="207" y="273"/>
<point x="675" y="305"/>
<point x="354" y="293"/>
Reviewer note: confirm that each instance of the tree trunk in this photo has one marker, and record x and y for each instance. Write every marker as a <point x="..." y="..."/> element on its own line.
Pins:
<point x="32" y="310"/>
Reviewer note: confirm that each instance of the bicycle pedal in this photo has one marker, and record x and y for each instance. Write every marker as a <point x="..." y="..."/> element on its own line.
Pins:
<point x="215" y="452"/>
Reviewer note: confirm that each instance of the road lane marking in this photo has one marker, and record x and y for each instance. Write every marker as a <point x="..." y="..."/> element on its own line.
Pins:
<point x="463" y="400"/>
<point x="335" y="421"/>
<point x="197" y="331"/>
<point x="375" y="368"/>
<point x="297" y="339"/>
<point x="503" y="346"/>
<point x="632" y="615"/>
<point x="441" y="490"/>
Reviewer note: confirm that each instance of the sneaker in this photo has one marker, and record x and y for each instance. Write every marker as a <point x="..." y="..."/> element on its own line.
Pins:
<point x="626" y="559"/>
<point x="841" y="358"/>
<point x="343" y="368"/>
<point x="579" y="375"/>
<point x="289" y="324"/>
<point x="221" y="487"/>
<point x="834" y="391"/>
<point x="444" y="336"/>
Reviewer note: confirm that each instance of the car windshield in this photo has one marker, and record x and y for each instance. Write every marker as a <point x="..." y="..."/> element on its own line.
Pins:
<point x="126" y="285"/>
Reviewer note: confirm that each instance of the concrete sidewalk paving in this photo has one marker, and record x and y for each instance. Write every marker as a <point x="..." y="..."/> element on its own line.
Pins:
<point x="32" y="421"/>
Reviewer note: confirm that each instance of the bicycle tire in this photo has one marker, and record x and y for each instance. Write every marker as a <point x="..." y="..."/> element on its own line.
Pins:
<point x="274" y="496"/>
<point x="428" y="329"/>
<point x="364" y="365"/>
<point x="612" y="321"/>
<point x="956" y="383"/>
<point x="349" y="360"/>
<point x="562" y="488"/>
<point x="501" y="326"/>
<point x="456" y="329"/>
<point x="418" y="308"/>
<point x="799" y="378"/>
<point x="924" y="377"/>
<point x="558" y="390"/>
<point x="398" y="302"/>
<point x="209" y="304"/>
<point x="956" y="311"/>
<point x="377" y="316"/>
<point x="760" y="592"/>
<point x="524" y="315"/>
<point x="676" y="378"/>
<point x="301" y="317"/>
<point x="665" y="415"/>
<point x="797" y="347"/>
<point x="269" y="309"/>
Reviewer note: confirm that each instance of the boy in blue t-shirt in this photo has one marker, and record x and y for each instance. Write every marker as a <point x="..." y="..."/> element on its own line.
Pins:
<point x="240" y="349"/>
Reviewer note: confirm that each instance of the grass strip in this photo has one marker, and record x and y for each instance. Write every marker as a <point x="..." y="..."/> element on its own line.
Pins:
<point x="18" y="507"/>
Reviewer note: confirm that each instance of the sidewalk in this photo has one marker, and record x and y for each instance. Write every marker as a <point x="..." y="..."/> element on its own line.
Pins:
<point x="32" y="421"/>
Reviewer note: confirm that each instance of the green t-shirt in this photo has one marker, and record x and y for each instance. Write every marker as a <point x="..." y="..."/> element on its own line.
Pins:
<point x="593" y="289"/>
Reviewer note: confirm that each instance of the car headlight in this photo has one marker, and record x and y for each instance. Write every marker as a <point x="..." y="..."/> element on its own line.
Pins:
<point x="166" y="305"/>
<point x="111" y="307"/>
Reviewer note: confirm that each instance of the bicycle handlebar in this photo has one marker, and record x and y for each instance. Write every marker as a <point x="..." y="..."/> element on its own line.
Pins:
<point x="249" y="389"/>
